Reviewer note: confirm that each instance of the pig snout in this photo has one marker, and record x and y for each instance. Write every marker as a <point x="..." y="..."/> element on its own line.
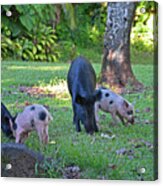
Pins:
<point x="132" y="121"/>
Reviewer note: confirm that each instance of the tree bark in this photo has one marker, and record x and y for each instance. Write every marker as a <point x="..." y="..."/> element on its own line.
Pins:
<point x="116" y="67"/>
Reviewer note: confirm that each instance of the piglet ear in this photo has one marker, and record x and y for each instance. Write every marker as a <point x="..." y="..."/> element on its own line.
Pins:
<point x="97" y="95"/>
<point x="125" y="104"/>
<point x="14" y="125"/>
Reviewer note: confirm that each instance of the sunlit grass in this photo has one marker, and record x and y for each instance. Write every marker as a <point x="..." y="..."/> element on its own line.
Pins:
<point x="35" y="67"/>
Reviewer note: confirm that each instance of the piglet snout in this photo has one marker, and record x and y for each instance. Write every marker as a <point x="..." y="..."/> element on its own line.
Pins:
<point x="132" y="121"/>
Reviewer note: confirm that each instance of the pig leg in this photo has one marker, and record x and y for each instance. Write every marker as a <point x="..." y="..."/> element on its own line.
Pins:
<point x="96" y="116"/>
<point x="40" y="131"/>
<point x="122" y="120"/>
<point x="18" y="135"/>
<point x="46" y="136"/>
<point x="76" y="119"/>
<point x="24" y="136"/>
<point x="114" y="117"/>
<point x="74" y="111"/>
<point x="77" y="123"/>
<point x="96" y="126"/>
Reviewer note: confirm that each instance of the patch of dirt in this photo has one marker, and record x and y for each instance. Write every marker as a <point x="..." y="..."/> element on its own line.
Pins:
<point x="18" y="161"/>
<point x="59" y="90"/>
<point x="35" y="91"/>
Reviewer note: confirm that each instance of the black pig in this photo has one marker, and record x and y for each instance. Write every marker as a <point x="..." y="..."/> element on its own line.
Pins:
<point x="81" y="84"/>
<point x="6" y="121"/>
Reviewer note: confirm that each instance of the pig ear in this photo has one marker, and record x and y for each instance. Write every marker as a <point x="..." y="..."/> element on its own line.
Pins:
<point x="97" y="95"/>
<point x="14" y="118"/>
<point x="125" y="104"/>
<point x="80" y="100"/>
<point x="14" y="125"/>
<point x="11" y="124"/>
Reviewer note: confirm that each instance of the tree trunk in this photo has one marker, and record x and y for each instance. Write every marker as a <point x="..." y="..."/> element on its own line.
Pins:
<point x="116" y="68"/>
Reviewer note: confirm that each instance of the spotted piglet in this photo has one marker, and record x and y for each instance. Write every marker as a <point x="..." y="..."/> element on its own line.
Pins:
<point x="116" y="105"/>
<point x="34" y="117"/>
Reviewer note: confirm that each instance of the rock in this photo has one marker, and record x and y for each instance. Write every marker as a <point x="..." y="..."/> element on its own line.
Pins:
<point x="19" y="161"/>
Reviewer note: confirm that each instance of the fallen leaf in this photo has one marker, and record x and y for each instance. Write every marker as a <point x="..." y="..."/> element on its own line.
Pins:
<point x="124" y="151"/>
<point x="72" y="172"/>
<point x="27" y="103"/>
<point x="137" y="110"/>
<point x="112" y="136"/>
<point x="52" y="142"/>
<point x="138" y="143"/>
<point x="121" y="151"/>
<point x="147" y="109"/>
<point x="112" y="166"/>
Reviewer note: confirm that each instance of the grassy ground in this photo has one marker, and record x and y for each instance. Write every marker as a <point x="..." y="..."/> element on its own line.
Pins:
<point x="97" y="156"/>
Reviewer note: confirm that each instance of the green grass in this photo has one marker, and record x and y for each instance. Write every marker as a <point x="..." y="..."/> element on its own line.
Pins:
<point x="96" y="156"/>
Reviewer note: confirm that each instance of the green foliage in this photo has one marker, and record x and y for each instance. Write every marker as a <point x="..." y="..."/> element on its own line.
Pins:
<point x="52" y="32"/>
<point x="28" y="34"/>
<point x="39" y="45"/>
<point x="70" y="15"/>
<point x="90" y="22"/>
<point x="24" y="18"/>
<point x="9" y="47"/>
<point x="142" y="31"/>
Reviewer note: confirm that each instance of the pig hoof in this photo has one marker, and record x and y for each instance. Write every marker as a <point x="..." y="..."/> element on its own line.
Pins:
<point x="78" y="130"/>
<point x="96" y="129"/>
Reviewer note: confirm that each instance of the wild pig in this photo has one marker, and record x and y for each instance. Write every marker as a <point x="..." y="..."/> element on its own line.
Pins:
<point x="6" y="121"/>
<point x="34" y="117"/>
<point x="116" y="105"/>
<point x="81" y="84"/>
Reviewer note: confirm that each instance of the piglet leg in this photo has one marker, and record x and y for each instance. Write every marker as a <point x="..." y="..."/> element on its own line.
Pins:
<point x="46" y="136"/>
<point x="24" y="136"/>
<point x="19" y="133"/>
<point x="122" y="120"/>
<point x="115" y="119"/>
